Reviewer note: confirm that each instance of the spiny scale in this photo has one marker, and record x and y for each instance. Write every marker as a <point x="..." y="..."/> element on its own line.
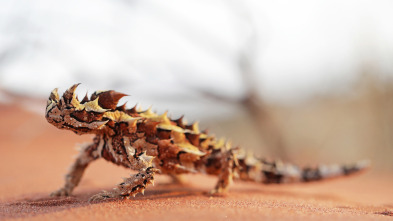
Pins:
<point x="151" y="143"/>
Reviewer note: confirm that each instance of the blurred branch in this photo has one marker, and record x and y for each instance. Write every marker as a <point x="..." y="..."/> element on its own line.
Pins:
<point x="246" y="58"/>
<point x="252" y="101"/>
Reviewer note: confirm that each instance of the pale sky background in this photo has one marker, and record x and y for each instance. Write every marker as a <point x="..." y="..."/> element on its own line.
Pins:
<point x="162" y="52"/>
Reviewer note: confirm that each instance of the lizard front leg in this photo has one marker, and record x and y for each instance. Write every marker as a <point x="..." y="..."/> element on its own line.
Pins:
<point x="75" y="173"/>
<point x="137" y="183"/>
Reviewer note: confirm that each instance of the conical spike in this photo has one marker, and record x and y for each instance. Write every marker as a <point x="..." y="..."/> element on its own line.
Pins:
<point x="75" y="103"/>
<point x="164" y="118"/>
<point x="73" y="88"/>
<point x="85" y="99"/>
<point x="122" y="107"/>
<point x="94" y="106"/>
<point x="228" y="144"/>
<point x="69" y="94"/>
<point x="54" y="95"/>
<point x="148" y="113"/>
<point x="193" y="138"/>
<point x="194" y="127"/>
<point x="95" y="94"/>
<point x="109" y="99"/>
<point x="179" y="122"/>
<point x="220" y="143"/>
<point x="133" y="110"/>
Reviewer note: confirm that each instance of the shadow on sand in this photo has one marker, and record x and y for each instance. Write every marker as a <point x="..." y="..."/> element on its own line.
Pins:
<point x="41" y="203"/>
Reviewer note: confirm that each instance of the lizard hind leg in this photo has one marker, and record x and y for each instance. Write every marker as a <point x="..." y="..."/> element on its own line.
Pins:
<point x="137" y="183"/>
<point x="225" y="177"/>
<point x="177" y="179"/>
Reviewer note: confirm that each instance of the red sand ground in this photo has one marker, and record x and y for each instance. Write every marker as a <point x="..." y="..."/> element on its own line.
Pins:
<point x="34" y="157"/>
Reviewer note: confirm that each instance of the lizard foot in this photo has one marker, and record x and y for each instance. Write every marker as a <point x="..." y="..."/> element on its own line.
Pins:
<point x="217" y="192"/>
<point x="61" y="192"/>
<point x="100" y="197"/>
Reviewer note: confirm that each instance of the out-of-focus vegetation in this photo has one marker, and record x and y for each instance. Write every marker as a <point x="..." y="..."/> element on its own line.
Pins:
<point x="334" y="127"/>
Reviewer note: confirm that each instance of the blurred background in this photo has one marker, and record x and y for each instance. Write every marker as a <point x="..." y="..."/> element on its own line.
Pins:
<point x="304" y="81"/>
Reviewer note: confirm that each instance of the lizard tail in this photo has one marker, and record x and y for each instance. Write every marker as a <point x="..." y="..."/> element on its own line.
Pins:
<point x="260" y="170"/>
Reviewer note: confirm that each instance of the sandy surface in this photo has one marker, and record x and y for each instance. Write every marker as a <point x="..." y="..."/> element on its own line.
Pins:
<point x="34" y="156"/>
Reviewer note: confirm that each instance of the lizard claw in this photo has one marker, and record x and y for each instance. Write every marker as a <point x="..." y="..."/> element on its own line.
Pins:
<point x="61" y="192"/>
<point x="217" y="192"/>
<point x="100" y="197"/>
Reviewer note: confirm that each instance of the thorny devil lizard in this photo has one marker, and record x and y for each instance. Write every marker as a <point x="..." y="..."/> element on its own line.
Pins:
<point x="151" y="143"/>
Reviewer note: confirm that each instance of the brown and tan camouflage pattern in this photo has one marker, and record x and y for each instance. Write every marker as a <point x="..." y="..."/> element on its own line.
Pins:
<point x="150" y="143"/>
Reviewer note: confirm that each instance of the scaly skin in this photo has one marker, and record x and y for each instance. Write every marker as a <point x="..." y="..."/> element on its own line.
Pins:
<point x="149" y="143"/>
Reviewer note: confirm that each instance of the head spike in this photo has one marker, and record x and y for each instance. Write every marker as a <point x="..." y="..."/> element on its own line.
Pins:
<point x="74" y="100"/>
<point x="95" y="94"/>
<point x="76" y="104"/>
<point x="109" y="99"/>
<point x="73" y="88"/>
<point x="54" y="95"/>
<point x="94" y="106"/>
<point x="70" y="93"/>
<point x="85" y="99"/>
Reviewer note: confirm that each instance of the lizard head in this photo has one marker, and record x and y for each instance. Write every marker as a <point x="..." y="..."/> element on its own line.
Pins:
<point x="86" y="116"/>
